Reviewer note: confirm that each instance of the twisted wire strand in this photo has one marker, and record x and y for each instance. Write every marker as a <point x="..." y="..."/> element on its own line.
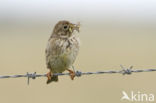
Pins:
<point x="124" y="71"/>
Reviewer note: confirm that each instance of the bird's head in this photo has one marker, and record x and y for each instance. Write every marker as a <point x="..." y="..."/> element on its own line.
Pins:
<point x="65" y="29"/>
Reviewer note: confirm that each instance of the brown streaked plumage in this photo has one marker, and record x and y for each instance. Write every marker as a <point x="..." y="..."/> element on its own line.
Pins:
<point x="62" y="49"/>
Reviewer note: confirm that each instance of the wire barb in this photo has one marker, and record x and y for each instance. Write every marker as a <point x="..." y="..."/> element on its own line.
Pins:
<point x="78" y="73"/>
<point x="124" y="71"/>
<point x="29" y="75"/>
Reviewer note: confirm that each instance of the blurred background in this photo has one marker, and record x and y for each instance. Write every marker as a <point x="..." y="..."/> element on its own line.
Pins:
<point x="112" y="32"/>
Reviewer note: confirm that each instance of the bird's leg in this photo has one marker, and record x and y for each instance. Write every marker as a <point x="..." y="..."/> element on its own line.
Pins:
<point x="49" y="75"/>
<point x="71" y="73"/>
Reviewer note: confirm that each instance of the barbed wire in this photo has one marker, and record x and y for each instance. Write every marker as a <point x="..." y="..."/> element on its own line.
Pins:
<point x="124" y="71"/>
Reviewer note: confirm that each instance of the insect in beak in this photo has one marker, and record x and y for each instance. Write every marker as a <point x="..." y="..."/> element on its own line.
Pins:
<point x="74" y="27"/>
<point x="70" y="29"/>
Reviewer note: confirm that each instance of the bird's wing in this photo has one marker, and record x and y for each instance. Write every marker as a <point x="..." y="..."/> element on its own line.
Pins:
<point x="51" y="50"/>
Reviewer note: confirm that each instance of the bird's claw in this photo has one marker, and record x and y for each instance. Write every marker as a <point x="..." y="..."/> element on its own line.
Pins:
<point x="72" y="74"/>
<point x="49" y="75"/>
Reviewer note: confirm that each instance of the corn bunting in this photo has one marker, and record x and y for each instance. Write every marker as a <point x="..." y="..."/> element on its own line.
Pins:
<point x="62" y="49"/>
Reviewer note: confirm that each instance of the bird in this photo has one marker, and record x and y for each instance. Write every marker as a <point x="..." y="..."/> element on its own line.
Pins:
<point x="62" y="49"/>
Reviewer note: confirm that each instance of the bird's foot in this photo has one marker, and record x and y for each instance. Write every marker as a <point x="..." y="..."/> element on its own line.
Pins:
<point x="49" y="75"/>
<point x="72" y="74"/>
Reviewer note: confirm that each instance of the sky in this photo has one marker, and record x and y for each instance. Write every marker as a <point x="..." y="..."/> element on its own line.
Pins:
<point x="108" y="10"/>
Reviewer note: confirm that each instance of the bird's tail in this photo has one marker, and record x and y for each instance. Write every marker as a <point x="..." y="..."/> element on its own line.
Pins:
<point x="54" y="78"/>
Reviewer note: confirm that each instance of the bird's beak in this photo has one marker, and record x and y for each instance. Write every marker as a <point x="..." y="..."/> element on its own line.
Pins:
<point x="74" y="27"/>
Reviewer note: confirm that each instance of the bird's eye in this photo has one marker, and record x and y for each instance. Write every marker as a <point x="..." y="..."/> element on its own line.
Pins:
<point x="65" y="27"/>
